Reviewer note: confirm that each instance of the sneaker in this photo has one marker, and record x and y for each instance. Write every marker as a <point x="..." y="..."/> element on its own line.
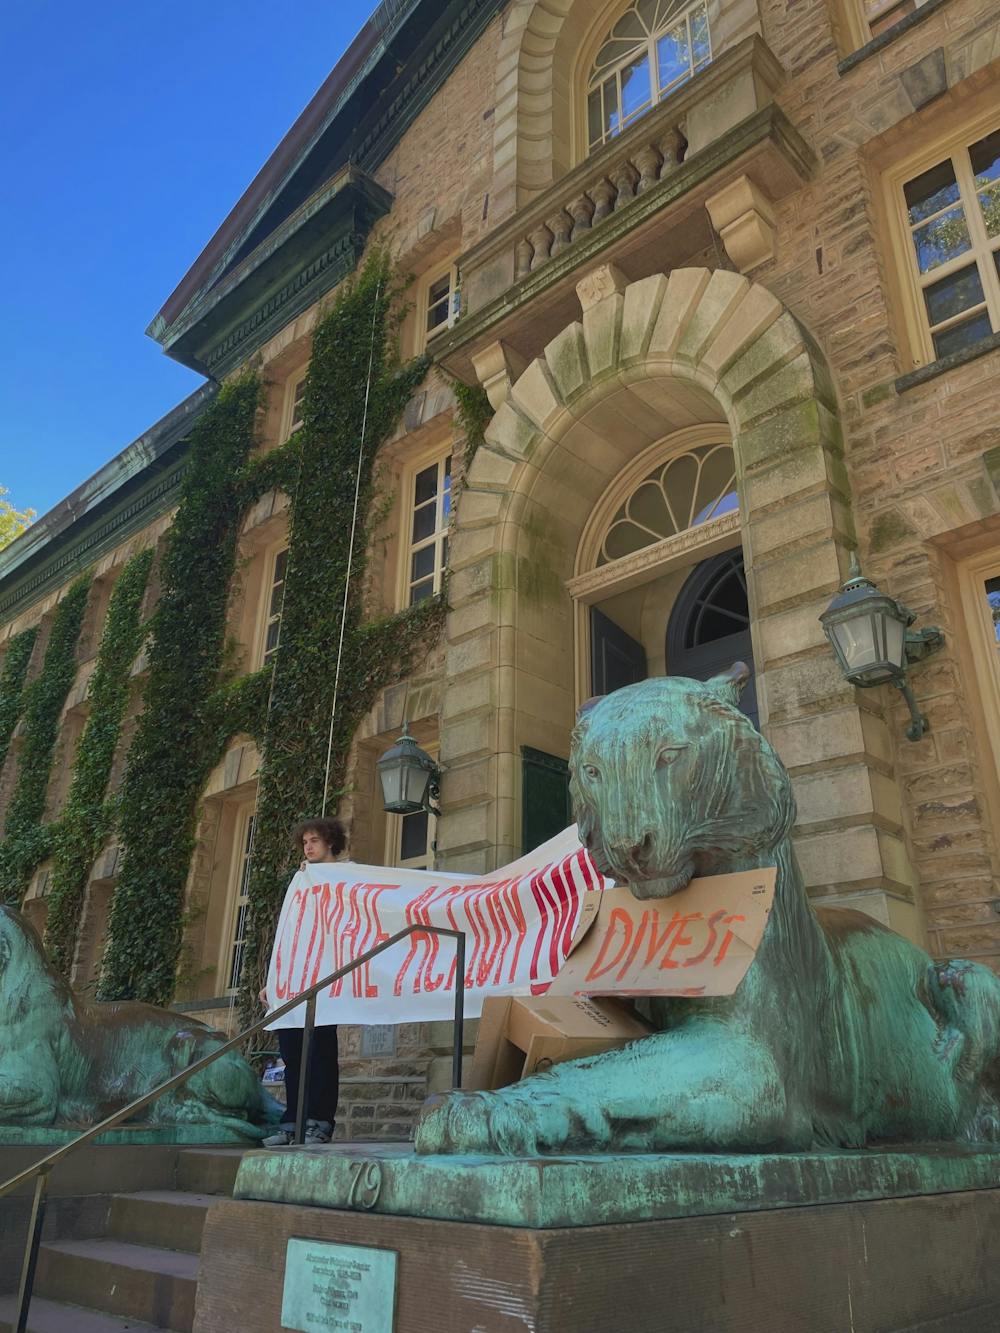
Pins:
<point x="281" y="1138"/>
<point x="318" y="1131"/>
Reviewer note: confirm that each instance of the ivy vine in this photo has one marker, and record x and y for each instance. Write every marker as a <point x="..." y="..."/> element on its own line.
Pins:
<point x="15" y="669"/>
<point x="354" y="349"/>
<point x="176" y="743"/>
<point x="27" y="840"/>
<point x="473" y="414"/>
<point x="356" y="390"/>
<point x="86" y="819"/>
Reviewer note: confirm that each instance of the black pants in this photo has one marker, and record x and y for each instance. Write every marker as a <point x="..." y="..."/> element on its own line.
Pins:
<point x="324" y="1073"/>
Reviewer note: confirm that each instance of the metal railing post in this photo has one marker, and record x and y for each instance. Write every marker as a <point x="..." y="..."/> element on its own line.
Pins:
<point x="30" y="1262"/>
<point x="456" y="1059"/>
<point x="305" y="1072"/>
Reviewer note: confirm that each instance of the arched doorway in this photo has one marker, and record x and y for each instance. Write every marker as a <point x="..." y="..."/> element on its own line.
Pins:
<point x="709" y="626"/>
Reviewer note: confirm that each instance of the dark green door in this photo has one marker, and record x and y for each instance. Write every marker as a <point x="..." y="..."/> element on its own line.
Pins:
<point x="545" y="807"/>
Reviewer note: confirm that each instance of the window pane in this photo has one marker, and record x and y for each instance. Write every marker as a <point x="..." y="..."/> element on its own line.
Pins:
<point x="637" y="91"/>
<point x="439" y="290"/>
<point x="425" y="484"/>
<point x="700" y="45"/>
<point x="421" y="591"/>
<point x="964" y="335"/>
<point x="446" y="499"/>
<point x="271" y="642"/>
<point x="674" y="56"/>
<point x="437" y="316"/>
<point x="612" y="121"/>
<point x="595" y="126"/>
<point x="629" y="26"/>
<point x="413" y="836"/>
<point x="280" y="561"/>
<point x="422" y="563"/>
<point x="931" y="191"/>
<point x="985" y="158"/>
<point x="951" y="295"/>
<point x="989" y="202"/>
<point x="423" y="522"/>
<point x="941" y="240"/>
<point x="992" y="589"/>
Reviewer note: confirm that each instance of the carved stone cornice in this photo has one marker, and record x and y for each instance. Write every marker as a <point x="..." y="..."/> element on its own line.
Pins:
<point x="302" y="259"/>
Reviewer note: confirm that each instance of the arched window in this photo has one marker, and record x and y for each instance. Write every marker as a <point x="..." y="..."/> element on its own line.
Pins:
<point x="653" y="48"/>
<point x="684" y="492"/>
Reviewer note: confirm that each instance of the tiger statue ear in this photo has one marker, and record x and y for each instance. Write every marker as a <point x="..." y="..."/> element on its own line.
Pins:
<point x="587" y="707"/>
<point x="729" y="685"/>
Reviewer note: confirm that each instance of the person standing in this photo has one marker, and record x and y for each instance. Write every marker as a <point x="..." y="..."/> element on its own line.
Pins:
<point x="321" y="840"/>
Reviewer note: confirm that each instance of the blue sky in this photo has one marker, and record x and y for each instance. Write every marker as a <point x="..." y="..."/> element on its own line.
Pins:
<point x="128" y="132"/>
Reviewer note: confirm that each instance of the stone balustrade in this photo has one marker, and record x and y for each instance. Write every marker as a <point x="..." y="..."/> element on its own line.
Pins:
<point x="720" y="132"/>
<point x="630" y="172"/>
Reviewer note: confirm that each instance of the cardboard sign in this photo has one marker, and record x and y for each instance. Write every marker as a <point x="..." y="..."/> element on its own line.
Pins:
<point x="700" y="941"/>
<point x="521" y="1037"/>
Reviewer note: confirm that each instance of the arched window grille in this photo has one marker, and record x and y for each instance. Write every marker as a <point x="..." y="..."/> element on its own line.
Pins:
<point x="685" y="491"/>
<point x="652" y="49"/>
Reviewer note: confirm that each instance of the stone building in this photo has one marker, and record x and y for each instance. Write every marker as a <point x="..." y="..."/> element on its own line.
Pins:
<point x="729" y="273"/>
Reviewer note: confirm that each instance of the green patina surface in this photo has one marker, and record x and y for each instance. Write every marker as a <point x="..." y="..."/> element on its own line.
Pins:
<point x="842" y="1034"/>
<point x="600" y="1189"/>
<point x="54" y="1136"/>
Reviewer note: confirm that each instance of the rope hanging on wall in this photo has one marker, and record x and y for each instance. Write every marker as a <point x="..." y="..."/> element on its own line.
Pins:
<point x="237" y="966"/>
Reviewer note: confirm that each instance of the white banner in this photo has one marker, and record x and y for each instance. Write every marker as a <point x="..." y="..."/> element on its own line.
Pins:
<point x="519" y="925"/>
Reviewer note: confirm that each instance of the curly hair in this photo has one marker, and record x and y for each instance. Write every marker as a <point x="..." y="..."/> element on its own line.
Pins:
<point x="330" y="830"/>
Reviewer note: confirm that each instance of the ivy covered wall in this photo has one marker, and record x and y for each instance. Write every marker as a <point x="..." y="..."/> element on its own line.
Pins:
<point x="356" y="390"/>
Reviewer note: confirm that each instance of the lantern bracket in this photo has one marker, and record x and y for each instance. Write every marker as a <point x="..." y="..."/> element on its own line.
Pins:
<point x="919" y="725"/>
<point x="921" y="643"/>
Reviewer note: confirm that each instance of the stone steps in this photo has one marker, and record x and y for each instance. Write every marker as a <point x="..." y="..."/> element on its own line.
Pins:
<point x="143" y="1282"/>
<point x="54" y="1317"/>
<point x="141" y="1275"/>
<point x="163" y="1219"/>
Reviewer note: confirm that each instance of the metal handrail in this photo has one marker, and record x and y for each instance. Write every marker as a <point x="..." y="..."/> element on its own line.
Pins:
<point x="42" y="1168"/>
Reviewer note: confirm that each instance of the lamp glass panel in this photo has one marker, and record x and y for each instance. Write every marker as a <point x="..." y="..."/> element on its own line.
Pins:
<point x="895" y="639"/>
<point x="415" y="783"/>
<point x="391" y="777"/>
<point x="855" y="641"/>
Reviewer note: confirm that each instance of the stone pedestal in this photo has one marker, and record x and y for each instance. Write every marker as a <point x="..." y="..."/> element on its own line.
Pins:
<point x="886" y="1241"/>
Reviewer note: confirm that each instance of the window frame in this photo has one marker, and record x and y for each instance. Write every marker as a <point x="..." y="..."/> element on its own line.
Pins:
<point x="271" y="556"/>
<point x="424" y="336"/>
<point x="294" y="385"/>
<point x="853" y="25"/>
<point x="441" y="454"/>
<point x="918" y="347"/>
<point x="586" y="82"/>
<point x="237" y="881"/>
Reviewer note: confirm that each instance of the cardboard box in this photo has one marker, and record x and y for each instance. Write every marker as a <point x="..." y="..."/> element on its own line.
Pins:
<point x="518" y="1037"/>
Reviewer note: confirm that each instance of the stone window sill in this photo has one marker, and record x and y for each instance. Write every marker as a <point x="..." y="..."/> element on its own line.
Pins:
<point x="946" y="363"/>
<point x="886" y="38"/>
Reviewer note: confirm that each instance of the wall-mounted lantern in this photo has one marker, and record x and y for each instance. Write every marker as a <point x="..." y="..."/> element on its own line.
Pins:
<point x="871" y="636"/>
<point x="410" y="778"/>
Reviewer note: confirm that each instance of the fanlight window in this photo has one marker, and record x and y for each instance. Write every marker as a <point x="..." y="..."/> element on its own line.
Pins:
<point x="687" y="490"/>
<point x="654" y="47"/>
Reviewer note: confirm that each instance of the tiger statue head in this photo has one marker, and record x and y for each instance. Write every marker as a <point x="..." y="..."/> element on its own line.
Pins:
<point x="669" y="780"/>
